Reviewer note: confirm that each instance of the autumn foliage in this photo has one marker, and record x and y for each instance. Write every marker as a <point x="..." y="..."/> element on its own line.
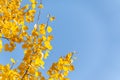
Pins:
<point x="36" y="44"/>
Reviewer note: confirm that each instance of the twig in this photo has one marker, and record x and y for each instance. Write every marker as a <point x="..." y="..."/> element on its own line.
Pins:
<point x="12" y="66"/>
<point x="39" y="16"/>
<point x="47" y="22"/>
<point x="39" y="13"/>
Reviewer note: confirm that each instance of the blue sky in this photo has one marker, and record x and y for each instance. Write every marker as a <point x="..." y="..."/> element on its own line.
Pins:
<point x="92" y="28"/>
<point x="89" y="27"/>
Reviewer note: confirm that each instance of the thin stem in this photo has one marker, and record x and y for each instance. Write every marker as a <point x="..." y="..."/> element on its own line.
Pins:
<point x="28" y="9"/>
<point x="39" y="16"/>
<point x="12" y="66"/>
<point x="47" y="21"/>
<point x="39" y="13"/>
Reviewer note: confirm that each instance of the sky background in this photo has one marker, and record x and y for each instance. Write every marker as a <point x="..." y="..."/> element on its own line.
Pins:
<point x="89" y="27"/>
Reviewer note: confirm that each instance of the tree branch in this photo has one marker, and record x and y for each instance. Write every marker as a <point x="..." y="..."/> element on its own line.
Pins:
<point x="5" y="38"/>
<point x="26" y="71"/>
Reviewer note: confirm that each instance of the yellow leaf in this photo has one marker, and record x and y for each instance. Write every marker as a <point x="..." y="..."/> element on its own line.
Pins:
<point x="32" y="1"/>
<point x="50" y="79"/>
<point x="27" y="6"/>
<point x="44" y="38"/>
<point x="41" y="6"/>
<point x="39" y="62"/>
<point x="65" y="68"/>
<point x="12" y="60"/>
<point x="24" y="28"/>
<point x="71" y="68"/>
<point x="42" y="26"/>
<point x="0" y="34"/>
<point x="42" y="29"/>
<point x="49" y="29"/>
<point x="40" y="40"/>
<point x="43" y="32"/>
<point x="50" y="37"/>
<point x="52" y="19"/>
<point x="25" y="45"/>
<point x="33" y="6"/>
<point x="69" y="55"/>
<point x="50" y="47"/>
<point x="34" y="33"/>
<point x="66" y="79"/>
<point x="65" y="73"/>
<point x="0" y="45"/>
<point x="46" y="55"/>
<point x="36" y="74"/>
<point x="6" y="47"/>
